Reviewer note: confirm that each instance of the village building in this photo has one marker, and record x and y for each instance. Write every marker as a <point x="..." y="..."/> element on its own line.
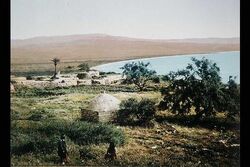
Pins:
<point x="105" y="105"/>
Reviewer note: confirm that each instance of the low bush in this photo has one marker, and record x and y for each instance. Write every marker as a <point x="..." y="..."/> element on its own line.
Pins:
<point x="89" y="116"/>
<point x="82" y="75"/>
<point x="36" y="117"/>
<point x="107" y="73"/>
<point x="40" y="78"/>
<point x="86" y="153"/>
<point x="32" y="142"/>
<point x="102" y="73"/>
<point x="83" y="132"/>
<point x="84" y="67"/>
<point x="29" y="77"/>
<point x="70" y="67"/>
<point x="133" y="112"/>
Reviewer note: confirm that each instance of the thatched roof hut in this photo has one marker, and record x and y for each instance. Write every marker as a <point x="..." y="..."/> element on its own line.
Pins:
<point x="105" y="105"/>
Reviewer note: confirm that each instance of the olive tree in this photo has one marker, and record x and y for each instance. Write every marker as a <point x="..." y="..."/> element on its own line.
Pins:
<point x="199" y="86"/>
<point x="138" y="74"/>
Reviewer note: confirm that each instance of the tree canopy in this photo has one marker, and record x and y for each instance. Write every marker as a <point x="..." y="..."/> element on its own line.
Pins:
<point x="84" y="67"/>
<point x="55" y="61"/>
<point x="138" y="74"/>
<point x="199" y="87"/>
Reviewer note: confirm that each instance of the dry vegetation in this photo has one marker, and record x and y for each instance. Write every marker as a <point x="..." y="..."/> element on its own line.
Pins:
<point x="189" y="145"/>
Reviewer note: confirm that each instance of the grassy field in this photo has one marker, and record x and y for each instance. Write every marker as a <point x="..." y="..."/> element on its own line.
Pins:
<point x="38" y="115"/>
<point x="39" y="69"/>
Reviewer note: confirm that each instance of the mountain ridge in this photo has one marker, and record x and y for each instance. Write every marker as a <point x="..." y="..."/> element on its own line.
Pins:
<point x="99" y="36"/>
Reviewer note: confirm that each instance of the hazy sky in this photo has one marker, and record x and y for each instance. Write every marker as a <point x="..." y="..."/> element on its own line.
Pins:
<point x="134" y="18"/>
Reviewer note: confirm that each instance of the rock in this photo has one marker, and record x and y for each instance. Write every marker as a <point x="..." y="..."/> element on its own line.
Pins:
<point x="154" y="147"/>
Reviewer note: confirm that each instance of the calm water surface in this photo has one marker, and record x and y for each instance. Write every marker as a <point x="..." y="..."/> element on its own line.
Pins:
<point x="228" y="62"/>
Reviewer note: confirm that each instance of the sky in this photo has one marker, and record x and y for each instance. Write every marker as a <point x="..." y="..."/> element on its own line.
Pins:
<point x="152" y="19"/>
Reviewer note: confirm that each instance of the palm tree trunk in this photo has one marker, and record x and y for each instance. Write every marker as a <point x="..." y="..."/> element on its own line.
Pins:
<point x="55" y="70"/>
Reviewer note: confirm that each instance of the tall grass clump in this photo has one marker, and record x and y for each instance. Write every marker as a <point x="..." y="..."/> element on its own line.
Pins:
<point x="84" y="132"/>
<point x="44" y="137"/>
<point x="32" y="142"/>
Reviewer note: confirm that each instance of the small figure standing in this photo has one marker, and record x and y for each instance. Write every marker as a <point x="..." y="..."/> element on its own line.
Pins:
<point x="111" y="152"/>
<point x="62" y="150"/>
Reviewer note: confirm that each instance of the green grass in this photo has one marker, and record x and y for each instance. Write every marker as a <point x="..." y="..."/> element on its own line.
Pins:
<point x="46" y="92"/>
<point x="38" y="116"/>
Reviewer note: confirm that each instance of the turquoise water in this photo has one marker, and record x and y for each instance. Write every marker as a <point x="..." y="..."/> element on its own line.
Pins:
<point x="228" y="62"/>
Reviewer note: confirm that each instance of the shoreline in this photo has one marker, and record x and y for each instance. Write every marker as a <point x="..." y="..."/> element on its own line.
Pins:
<point x="160" y="56"/>
<point x="17" y="68"/>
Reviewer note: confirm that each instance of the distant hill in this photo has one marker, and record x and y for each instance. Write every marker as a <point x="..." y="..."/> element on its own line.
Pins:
<point x="93" y="47"/>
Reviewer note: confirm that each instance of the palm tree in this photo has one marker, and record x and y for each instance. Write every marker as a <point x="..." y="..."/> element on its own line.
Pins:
<point x="55" y="61"/>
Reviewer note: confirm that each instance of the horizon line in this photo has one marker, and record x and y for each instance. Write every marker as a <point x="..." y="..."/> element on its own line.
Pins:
<point x="103" y="34"/>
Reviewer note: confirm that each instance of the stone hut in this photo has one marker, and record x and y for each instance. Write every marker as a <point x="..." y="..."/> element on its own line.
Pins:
<point x="105" y="104"/>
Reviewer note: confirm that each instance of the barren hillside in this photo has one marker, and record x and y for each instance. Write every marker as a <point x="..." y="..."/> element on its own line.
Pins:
<point x="92" y="47"/>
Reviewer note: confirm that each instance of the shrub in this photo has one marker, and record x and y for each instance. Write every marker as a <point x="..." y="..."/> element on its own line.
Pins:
<point x="40" y="115"/>
<point x="86" y="153"/>
<point x="40" y="78"/>
<point x="82" y="75"/>
<point x="36" y="117"/>
<point x="29" y="77"/>
<point x="32" y="142"/>
<point x="84" y="67"/>
<point x="133" y="112"/>
<point x="70" y="67"/>
<point x="102" y="73"/>
<point x="89" y="116"/>
<point x="107" y="73"/>
<point x="83" y="132"/>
